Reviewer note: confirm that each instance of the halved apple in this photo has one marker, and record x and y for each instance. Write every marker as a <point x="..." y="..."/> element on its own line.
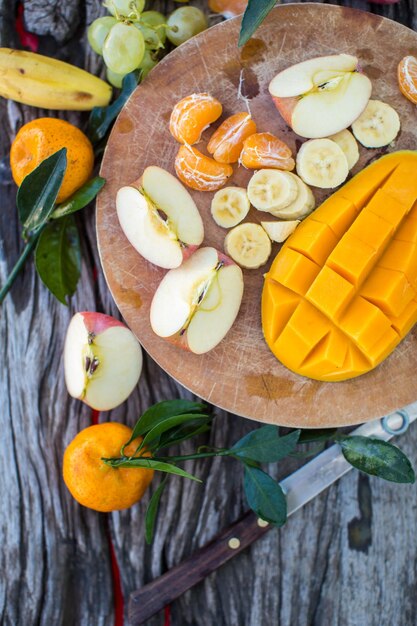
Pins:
<point x="102" y="360"/>
<point x="160" y="218"/>
<point x="196" y="304"/>
<point x="321" y="96"/>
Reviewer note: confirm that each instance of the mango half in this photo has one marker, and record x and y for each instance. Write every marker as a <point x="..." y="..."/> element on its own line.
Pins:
<point x="342" y="291"/>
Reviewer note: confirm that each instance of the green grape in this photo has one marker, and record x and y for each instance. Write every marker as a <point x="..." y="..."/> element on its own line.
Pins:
<point x="151" y="37"/>
<point x="98" y="31"/>
<point x="123" y="48"/>
<point x="115" y="79"/>
<point x="154" y="37"/>
<point x="184" y="23"/>
<point x="147" y="63"/>
<point x="124" y="7"/>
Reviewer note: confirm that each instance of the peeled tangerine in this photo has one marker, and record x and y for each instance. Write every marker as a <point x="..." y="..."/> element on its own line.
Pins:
<point x="342" y="292"/>
<point x="192" y="115"/>
<point x="198" y="171"/>
<point x="226" y="142"/>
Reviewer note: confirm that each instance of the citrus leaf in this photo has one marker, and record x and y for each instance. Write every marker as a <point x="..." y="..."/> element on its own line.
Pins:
<point x="154" y="464"/>
<point x="160" y="412"/>
<point x="265" y="496"/>
<point x="37" y="194"/>
<point x="378" y="458"/>
<point x="153" y="435"/>
<point x="58" y="257"/>
<point x="316" y="434"/>
<point x="189" y="430"/>
<point x="152" y="511"/>
<point x="255" y="13"/>
<point x="101" y="118"/>
<point x="264" y="445"/>
<point x="83" y="196"/>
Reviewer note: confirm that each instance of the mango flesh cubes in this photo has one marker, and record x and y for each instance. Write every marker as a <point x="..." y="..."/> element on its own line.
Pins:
<point x="342" y="291"/>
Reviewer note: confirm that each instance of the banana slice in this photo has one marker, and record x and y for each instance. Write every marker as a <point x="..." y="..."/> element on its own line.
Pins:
<point x="302" y="206"/>
<point x="321" y="163"/>
<point x="230" y="206"/>
<point x="377" y="126"/>
<point x="248" y="245"/>
<point x="349" y="145"/>
<point x="280" y="231"/>
<point x="271" y="188"/>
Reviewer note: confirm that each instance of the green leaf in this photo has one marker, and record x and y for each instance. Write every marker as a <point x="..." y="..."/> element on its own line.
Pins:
<point x="153" y="435"/>
<point x="264" y="445"/>
<point x="316" y="434"/>
<point x="160" y="412"/>
<point x="58" y="257"/>
<point x="255" y="13"/>
<point x="152" y="511"/>
<point x="154" y="464"/>
<point x="37" y="194"/>
<point x="265" y="496"/>
<point x="377" y="457"/>
<point x="101" y="118"/>
<point x="83" y="196"/>
<point x="189" y="430"/>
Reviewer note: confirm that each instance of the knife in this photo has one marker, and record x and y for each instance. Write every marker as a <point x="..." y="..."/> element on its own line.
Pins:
<point x="300" y="487"/>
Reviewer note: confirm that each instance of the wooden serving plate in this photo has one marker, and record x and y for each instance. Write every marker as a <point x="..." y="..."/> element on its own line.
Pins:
<point x="241" y="375"/>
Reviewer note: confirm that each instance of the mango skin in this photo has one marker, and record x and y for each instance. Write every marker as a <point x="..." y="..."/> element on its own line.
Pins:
<point x="342" y="291"/>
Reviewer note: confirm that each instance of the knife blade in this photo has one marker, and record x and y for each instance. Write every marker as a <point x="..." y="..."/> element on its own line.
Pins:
<point x="300" y="487"/>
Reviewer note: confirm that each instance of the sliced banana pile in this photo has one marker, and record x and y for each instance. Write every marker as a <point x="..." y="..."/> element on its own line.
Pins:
<point x="248" y="245"/>
<point x="282" y="194"/>
<point x="377" y="126"/>
<point x="230" y="206"/>
<point x="271" y="189"/>
<point x="322" y="163"/>
<point x="347" y="142"/>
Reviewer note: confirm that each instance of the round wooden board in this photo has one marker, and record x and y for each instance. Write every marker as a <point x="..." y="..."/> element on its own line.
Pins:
<point x="241" y="375"/>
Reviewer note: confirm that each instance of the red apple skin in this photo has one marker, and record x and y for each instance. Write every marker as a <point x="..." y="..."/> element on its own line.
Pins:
<point x="286" y="107"/>
<point x="226" y="260"/>
<point x="187" y="251"/>
<point x="97" y="323"/>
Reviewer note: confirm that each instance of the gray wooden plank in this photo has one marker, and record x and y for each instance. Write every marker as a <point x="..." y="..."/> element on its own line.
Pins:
<point x="55" y="561"/>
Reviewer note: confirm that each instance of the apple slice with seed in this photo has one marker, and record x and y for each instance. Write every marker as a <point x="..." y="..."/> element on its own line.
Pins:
<point x="196" y="304"/>
<point x="160" y="218"/>
<point x="321" y="96"/>
<point x="102" y="360"/>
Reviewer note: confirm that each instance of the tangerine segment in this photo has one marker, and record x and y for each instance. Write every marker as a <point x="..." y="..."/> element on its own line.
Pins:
<point x="407" y="78"/>
<point x="226" y="142"/>
<point x="200" y="172"/>
<point x="39" y="139"/>
<point x="228" y="8"/>
<point x="265" y="150"/>
<point x="192" y="115"/>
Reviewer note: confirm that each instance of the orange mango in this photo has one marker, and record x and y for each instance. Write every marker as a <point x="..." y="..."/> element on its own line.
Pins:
<point x="342" y="291"/>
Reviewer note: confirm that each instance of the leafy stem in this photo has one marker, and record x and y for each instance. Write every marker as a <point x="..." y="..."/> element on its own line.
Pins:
<point x="171" y="422"/>
<point x="27" y="250"/>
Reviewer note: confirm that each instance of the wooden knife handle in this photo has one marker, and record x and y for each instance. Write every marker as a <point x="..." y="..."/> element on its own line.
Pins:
<point x="154" y="596"/>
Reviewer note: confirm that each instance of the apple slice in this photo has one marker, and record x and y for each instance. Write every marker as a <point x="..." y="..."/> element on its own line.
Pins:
<point x="196" y="304"/>
<point x="321" y="96"/>
<point x="102" y="360"/>
<point x="160" y="218"/>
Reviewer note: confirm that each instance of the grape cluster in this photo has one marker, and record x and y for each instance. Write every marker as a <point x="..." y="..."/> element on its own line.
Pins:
<point x="131" y="38"/>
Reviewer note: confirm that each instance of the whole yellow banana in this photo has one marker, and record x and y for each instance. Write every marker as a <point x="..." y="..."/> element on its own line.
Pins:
<point x="44" y="82"/>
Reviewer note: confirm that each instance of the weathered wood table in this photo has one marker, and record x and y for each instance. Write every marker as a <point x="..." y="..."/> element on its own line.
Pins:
<point x="349" y="558"/>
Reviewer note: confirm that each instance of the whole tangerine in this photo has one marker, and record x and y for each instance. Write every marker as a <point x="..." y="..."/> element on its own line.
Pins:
<point x="39" y="139"/>
<point x="95" y="484"/>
